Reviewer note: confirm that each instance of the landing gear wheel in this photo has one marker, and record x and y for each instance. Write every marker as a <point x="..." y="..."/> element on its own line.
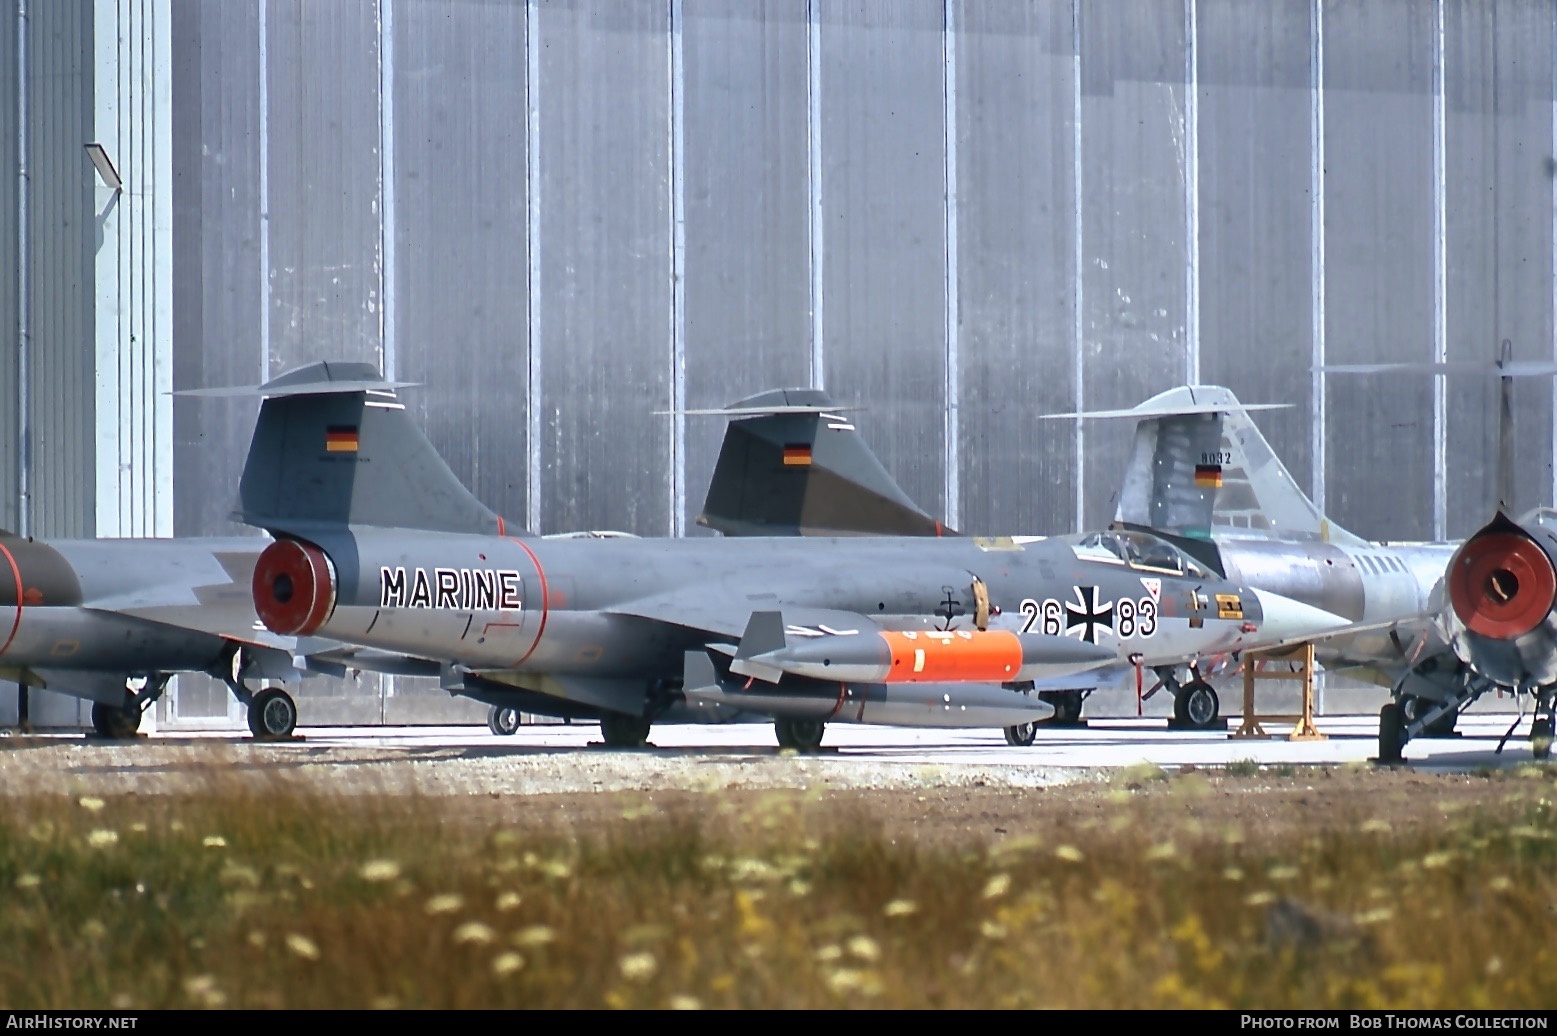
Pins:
<point x="1412" y="708"/>
<point x="503" y="722"/>
<point x="1541" y="738"/>
<point x="1392" y="734"/>
<point x="116" y="722"/>
<point x="1067" y="707"/>
<point x="1023" y="734"/>
<point x="272" y="714"/>
<point x="1196" y="705"/>
<point x="623" y="731"/>
<point x="803" y="734"/>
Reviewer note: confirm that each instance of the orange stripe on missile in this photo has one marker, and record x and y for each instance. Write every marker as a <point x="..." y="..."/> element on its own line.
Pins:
<point x="921" y="657"/>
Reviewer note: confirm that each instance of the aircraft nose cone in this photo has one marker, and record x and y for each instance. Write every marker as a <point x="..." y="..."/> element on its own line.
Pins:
<point x="1290" y="622"/>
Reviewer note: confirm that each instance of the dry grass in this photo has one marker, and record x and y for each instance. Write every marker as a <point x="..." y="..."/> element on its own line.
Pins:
<point x="263" y="894"/>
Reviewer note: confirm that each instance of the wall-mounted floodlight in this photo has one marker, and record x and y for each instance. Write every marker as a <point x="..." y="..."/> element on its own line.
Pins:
<point x="105" y="167"/>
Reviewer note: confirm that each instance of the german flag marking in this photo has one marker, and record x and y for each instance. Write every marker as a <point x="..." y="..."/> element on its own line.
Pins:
<point x="797" y="455"/>
<point x="340" y="439"/>
<point x="1208" y="476"/>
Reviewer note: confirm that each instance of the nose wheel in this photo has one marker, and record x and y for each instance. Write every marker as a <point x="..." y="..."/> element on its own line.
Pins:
<point x="1196" y="706"/>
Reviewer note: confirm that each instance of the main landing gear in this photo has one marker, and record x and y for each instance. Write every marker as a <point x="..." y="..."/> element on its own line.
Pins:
<point x="802" y="734"/>
<point x="620" y="730"/>
<point x="123" y="721"/>
<point x="502" y="721"/>
<point x="1023" y="734"/>
<point x="1427" y="700"/>
<point x="1454" y="688"/>
<point x="272" y="712"/>
<point x="1541" y="735"/>
<point x="1067" y="709"/>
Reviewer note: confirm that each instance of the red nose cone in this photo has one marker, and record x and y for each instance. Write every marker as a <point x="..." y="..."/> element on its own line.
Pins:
<point x="294" y="588"/>
<point x="1502" y="585"/>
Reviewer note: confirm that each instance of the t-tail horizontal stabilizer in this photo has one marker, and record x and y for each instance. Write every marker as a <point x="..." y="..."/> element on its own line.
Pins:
<point x="334" y="446"/>
<point x="1199" y="467"/>
<point x="793" y="465"/>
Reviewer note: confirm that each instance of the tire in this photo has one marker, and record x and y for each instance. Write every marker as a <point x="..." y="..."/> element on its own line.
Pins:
<point x="1541" y="738"/>
<point x="272" y="714"/>
<point x="116" y="722"/>
<point x="620" y="730"/>
<point x="802" y="734"/>
<point x="1021" y="735"/>
<point x="502" y="721"/>
<point x="1411" y="707"/>
<point x="1392" y="734"/>
<point x="1066" y="705"/>
<point x="1197" y="705"/>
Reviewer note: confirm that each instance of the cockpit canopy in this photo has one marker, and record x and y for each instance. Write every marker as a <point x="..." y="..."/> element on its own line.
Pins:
<point x="1142" y="551"/>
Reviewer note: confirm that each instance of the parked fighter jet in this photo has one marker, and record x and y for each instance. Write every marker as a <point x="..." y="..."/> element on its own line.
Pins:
<point x="1440" y="624"/>
<point x="112" y="620"/>
<point x="378" y="545"/>
<point x="843" y="489"/>
<point x="1200" y="476"/>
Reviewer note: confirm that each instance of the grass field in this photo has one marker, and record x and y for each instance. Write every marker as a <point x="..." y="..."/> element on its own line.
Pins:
<point x="266" y="894"/>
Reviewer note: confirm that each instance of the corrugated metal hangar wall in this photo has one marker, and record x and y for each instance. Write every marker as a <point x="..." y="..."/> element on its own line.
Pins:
<point x="564" y="217"/>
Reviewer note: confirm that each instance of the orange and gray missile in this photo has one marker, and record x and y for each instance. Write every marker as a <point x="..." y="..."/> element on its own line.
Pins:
<point x="912" y="656"/>
<point x="945" y="705"/>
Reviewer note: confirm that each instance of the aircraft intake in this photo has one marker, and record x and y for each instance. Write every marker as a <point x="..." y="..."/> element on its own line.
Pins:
<point x="1502" y="583"/>
<point x="294" y="588"/>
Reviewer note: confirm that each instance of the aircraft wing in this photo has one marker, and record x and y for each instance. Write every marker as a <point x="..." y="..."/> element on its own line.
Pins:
<point x="726" y="616"/>
<point x="1380" y="651"/>
<point x="199" y="585"/>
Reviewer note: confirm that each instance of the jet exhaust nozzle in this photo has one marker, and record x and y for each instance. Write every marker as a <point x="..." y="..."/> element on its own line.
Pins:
<point x="294" y="588"/>
<point x="1502" y="583"/>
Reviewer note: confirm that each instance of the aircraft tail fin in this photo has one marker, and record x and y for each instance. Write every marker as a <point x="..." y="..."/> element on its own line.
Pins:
<point x="792" y="464"/>
<point x="1199" y="466"/>
<point x="334" y="446"/>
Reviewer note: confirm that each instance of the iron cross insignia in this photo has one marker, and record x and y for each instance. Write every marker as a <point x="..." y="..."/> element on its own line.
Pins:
<point x="1091" y="616"/>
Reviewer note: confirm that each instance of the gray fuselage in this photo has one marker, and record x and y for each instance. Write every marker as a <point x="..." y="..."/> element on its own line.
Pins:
<point x="631" y="607"/>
